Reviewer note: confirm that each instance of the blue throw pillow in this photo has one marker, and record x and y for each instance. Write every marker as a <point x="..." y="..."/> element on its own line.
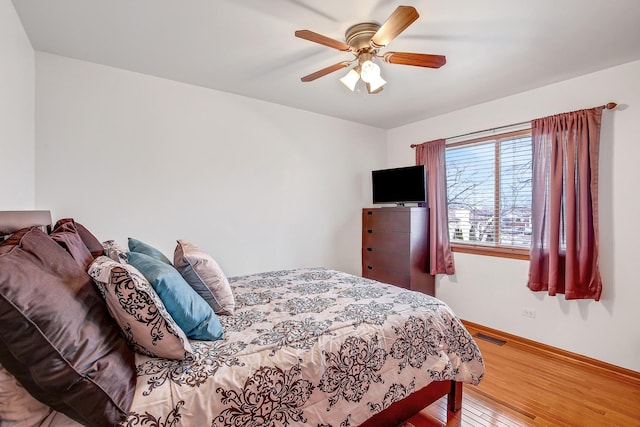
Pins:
<point x="194" y="316"/>
<point x="143" y="248"/>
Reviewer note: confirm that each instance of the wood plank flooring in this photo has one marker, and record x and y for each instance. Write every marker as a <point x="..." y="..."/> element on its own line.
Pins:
<point x="528" y="388"/>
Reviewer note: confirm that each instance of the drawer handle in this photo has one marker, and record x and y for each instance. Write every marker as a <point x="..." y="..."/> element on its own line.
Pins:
<point x="369" y="249"/>
<point x="369" y="267"/>
<point x="370" y="231"/>
<point x="369" y="213"/>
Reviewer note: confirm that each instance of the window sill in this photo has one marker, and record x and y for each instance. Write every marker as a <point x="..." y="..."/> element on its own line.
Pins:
<point x="502" y="252"/>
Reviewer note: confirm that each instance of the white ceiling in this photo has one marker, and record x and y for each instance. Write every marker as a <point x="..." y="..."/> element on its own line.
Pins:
<point x="494" y="48"/>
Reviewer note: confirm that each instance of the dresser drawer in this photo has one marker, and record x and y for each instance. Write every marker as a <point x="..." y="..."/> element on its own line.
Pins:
<point x="383" y="220"/>
<point x="386" y="276"/>
<point x="387" y="241"/>
<point x="383" y="260"/>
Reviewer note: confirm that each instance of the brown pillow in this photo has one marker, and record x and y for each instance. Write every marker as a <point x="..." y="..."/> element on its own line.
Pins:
<point x="56" y="336"/>
<point x="66" y="235"/>
<point x="92" y="243"/>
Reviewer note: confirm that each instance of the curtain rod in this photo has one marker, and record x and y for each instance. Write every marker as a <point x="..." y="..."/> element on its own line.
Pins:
<point x="608" y="106"/>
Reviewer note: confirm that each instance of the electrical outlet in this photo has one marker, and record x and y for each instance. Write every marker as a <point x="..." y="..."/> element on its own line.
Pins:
<point x="528" y="312"/>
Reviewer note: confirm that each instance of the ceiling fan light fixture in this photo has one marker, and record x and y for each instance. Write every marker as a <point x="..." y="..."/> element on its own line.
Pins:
<point x="376" y="83"/>
<point x="351" y="79"/>
<point x="364" y="41"/>
<point x="370" y="74"/>
<point x="369" y="71"/>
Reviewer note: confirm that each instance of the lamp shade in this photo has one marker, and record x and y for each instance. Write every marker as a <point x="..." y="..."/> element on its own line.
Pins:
<point x="351" y="79"/>
<point x="375" y="83"/>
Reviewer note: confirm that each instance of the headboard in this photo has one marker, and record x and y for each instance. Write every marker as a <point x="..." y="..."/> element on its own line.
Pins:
<point x="12" y="221"/>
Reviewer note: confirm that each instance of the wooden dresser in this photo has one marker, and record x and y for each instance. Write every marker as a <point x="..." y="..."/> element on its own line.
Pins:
<point x="395" y="247"/>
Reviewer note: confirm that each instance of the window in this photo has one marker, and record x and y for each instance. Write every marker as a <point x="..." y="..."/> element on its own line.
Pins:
<point x="489" y="194"/>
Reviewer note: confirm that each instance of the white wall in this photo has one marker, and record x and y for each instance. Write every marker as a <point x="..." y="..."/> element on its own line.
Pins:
<point x="258" y="185"/>
<point x="262" y="186"/>
<point x="16" y="112"/>
<point x="492" y="291"/>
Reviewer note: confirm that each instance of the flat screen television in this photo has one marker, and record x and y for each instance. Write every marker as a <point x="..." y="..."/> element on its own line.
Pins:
<point x="400" y="185"/>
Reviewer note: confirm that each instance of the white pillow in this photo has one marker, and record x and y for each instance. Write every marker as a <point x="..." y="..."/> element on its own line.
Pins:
<point x="145" y="322"/>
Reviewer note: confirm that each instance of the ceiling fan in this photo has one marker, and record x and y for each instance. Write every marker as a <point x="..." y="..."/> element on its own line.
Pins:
<point x="364" y="41"/>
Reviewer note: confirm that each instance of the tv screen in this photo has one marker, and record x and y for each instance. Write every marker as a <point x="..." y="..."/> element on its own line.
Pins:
<point x="400" y="185"/>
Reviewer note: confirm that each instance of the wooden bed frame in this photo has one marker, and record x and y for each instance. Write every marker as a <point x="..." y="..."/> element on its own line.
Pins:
<point x="11" y="221"/>
<point x="409" y="406"/>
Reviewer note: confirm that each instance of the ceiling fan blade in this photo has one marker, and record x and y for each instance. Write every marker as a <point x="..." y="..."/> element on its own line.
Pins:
<point x="324" y="40"/>
<point x="330" y="69"/>
<point x="399" y="20"/>
<point x="417" y="59"/>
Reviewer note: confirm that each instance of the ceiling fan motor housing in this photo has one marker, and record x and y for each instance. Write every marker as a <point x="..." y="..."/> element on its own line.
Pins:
<point x="359" y="35"/>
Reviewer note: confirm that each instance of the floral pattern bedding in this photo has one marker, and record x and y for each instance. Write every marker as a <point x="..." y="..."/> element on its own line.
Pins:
<point x="310" y="347"/>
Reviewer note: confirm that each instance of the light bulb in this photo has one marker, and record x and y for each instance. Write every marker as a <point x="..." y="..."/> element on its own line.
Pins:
<point x="369" y="71"/>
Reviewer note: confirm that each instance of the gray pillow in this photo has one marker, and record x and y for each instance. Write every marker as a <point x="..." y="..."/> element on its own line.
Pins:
<point x="205" y="276"/>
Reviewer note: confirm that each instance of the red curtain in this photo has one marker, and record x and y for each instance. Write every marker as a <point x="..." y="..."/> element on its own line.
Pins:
<point x="564" y="248"/>
<point x="431" y="154"/>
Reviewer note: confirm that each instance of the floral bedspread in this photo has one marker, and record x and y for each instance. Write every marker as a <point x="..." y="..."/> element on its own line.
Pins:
<point x="310" y="347"/>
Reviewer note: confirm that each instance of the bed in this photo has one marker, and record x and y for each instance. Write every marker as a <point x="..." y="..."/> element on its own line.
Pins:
<point x="309" y="346"/>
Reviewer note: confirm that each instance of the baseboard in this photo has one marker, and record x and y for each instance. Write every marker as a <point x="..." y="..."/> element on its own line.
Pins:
<point x="605" y="368"/>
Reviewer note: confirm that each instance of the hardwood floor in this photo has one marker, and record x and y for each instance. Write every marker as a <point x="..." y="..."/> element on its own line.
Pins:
<point x="535" y="388"/>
